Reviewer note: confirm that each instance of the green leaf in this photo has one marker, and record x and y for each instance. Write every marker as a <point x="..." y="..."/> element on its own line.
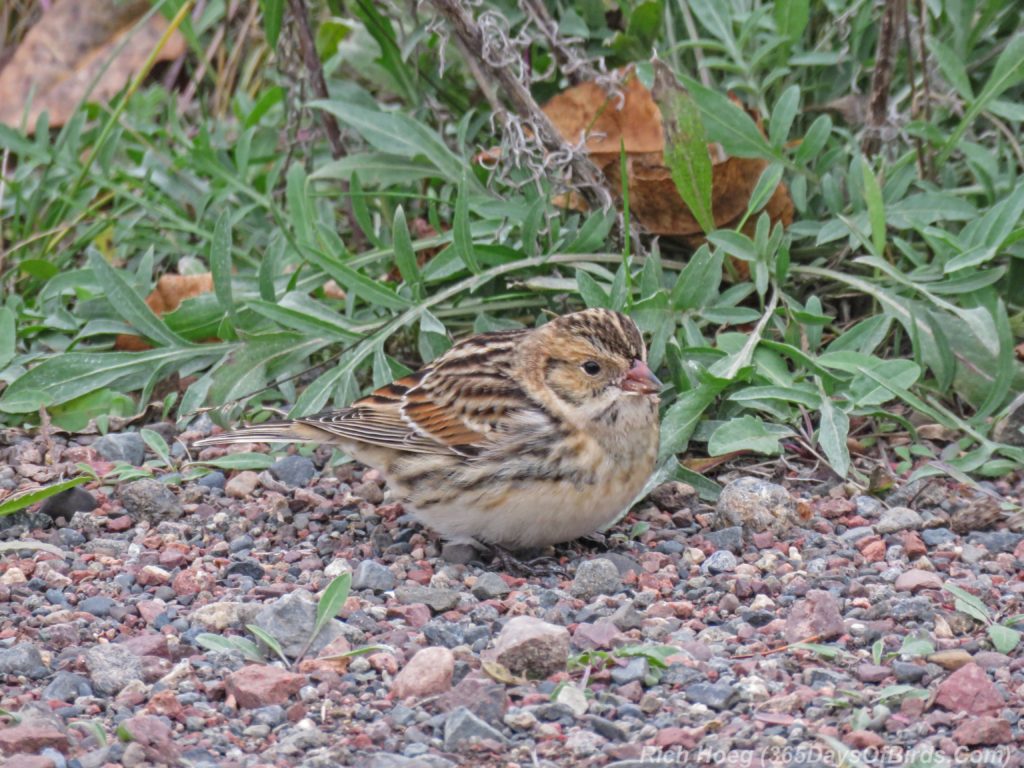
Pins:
<point x="156" y="444"/>
<point x="833" y="428"/>
<point x="240" y="461"/>
<point x="268" y="640"/>
<point x="1003" y="638"/>
<point x="130" y="306"/>
<point x="22" y="499"/>
<point x="735" y="244"/>
<point x="967" y="603"/>
<point x="876" y="208"/>
<point x="683" y="416"/>
<point x="273" y="13"/>
<point x="783" y="114"/>
<point x="591" y="291"/>
<point x="728" y="124"/>
<point x="952" y="66"/>
<point x="8" y="336"/>
<point x="405" y="255"/>
<point x="746" y="433"/>
<point x="814" y="140"/>
<point x="220" y="644"/>
<point x="220" y="262"/>
<point x="75" y="415"/>
<point x="686" y="149"/>
<point x="462" y="237"/>
<point x="764" y="189"/>
<point x="368" y="289"/>
<point x="791" y="17"/>
<point x="331" y="601"/>
<point x="698" y="283"/>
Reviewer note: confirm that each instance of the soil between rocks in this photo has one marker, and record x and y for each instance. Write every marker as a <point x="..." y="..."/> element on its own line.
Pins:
<point x="756" y="644"/>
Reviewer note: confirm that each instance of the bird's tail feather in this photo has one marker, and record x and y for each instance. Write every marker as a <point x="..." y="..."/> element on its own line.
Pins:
<point x="272" y="432"/>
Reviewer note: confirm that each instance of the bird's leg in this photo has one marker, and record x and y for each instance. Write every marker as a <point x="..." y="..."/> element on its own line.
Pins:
<point x="538" y="566"/>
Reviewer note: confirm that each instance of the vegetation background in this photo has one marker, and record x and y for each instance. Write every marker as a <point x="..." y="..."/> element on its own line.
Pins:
<point x="320" y="162"/>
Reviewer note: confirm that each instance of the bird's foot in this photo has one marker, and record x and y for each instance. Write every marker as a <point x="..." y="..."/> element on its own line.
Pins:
<point x="537" y="566"/>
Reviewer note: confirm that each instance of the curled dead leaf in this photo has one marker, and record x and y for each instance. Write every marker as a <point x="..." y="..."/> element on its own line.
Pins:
<point x="170" y="291"/>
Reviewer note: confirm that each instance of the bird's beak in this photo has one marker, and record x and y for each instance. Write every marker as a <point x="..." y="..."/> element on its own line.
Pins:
<point x="640" y="379"/>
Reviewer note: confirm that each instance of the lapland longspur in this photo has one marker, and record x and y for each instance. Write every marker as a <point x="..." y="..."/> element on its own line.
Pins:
<point x="517" y="438"/>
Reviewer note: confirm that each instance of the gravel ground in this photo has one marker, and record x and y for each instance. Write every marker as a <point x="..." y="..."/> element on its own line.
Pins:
<point x="784" y="625"/>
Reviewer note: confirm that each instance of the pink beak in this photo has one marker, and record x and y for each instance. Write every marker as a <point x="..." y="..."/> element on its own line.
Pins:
<point x="641" y="380"/>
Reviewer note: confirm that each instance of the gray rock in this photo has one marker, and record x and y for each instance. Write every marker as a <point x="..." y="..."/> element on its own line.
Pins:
<point x="459" y="553"/>
<point x="387" y="760"/>
<point x="150" y="499"/>
<point x="370" y="574"/>
<point x="443" y="633"/>
<point x="123" y="446"/>
<point x="755" y="505"/>
<point x="98" y="605"/>
<point x="634" y="670"/>
<point x="730" y="538"/>
<point x="290" y="620"/>
<point x="439" y="600"/>
<point x="712" y="695"/>
<point x="720" y="561"/>
<point x="462" y="728"/>
<point x="996" y="541"/>
<point x="596" y="577"/>
<point x="214" y="479"/>
<point x="249" y="568"/>
<point x="293" y="470"/>
<point x="899" y="519"/>
<point x="853" y="535"/>
<point x="935" y="537"/>
<point x="111" y="667"/>
<point x="489" y="585"/>
<point x="868" y="506"/>
<point x="22" y="659"/>
<point x="532" y="647"/>
<point x="66" y="503"/>
<point x="66" y="686"/>
<point x="627" y="617"/>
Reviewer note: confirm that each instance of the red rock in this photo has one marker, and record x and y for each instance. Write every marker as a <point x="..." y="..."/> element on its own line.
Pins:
<point x="427" y="673"/>
<point x="383" y="662"/>
<point x="872" y="548"/>
<point x="969" y="690"/>
<point x="167" y="704"/>
<point x="152" y="576"/>
<point x="532" y="647"/>
<point x="122" y="523"/>
<point x="864" y="739"/>
<point x="913" y="545"/>
<point x="601" y="634"/>
<point x="32" y="738"/>
<point x="817" y="615"/>
<point x="192" y="581"/>
<point x="257" y="685"/>
<point x="172" y="558"/>
<point x="916" y="579"/>
<point x="152" y="732"/>
<point x="978" y="731"/>
<point x="912" y="707"/>
<point x="149" y="610"/>
<point x="763" y="539"/>
<point x="148" y="644"/>
<point x="687" y="738"/>
<point x="28" y="761"/>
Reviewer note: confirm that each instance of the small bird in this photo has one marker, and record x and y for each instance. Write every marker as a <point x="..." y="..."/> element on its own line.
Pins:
<point x="516" y="439"/>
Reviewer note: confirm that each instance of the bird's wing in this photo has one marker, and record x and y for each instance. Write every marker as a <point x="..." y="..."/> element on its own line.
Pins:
<point x="458" y="404"/>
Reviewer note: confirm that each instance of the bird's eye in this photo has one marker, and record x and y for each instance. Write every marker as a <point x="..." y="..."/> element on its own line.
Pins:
<point x="591" y="368"/>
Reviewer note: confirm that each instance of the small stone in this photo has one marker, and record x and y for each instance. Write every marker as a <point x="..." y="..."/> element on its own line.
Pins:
<point x="122" y="446"/>
<point x="22" y="659"/>
<point x="913" y="545"/>
<point x="32" y="738"/>
<point x="574" y="698"/>
<point x="216" y="617"/>
<point x="428" y="673"/>
<point x="899" y="519"/>
<point x="242" y="485"/>
<point x="712" y="695"/>
<point x="97" y="605"/>
<point x="480" y="695"/>
<point x="439" y="600"/>
<point x="337" y="567"/>
<point x="293" y="470"/>
<point x="864" y="740"/>
<point x="462" y="728"/>
<point x="936" y="537"/>
<point x="532" y="647"/>
<point x="112" y="667"/>
<point x="150" y="500"/>
<point x="489" y="586"/>
<point x="152" y="575"/>
<point x="720" y="561"/>
<point x="969" y="690"/>
<point x="248" y="568"/>
<point x="66" y="686"/>
<point x="634" y="670"/>
<point x="980" y="731"/>
<point x="153" y="734"/>
<point x="596" y="577"/>
<point x="213" y="480"/>
<point x="673" y="496"/>
<point x="603" y="633"/>
<point x="867" y="506"/>
<point x="872" y="673"/>
<point x="370" y="574"/>
<point x="290" y="620"/>
<point x="66" y="503"/>
<point x="729" y="539"/>
<point x="370" y="492"/>
<point x="817" y="615"/>
<point x="260" y="685"/>
<point x="951" y="659"/>
<point x="996" y="541"/>
<point x="915" y="580"/>
<point x="755" y="505"/>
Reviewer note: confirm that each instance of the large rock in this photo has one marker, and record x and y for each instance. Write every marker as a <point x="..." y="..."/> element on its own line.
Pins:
<point x="150" y="500"/>
<point x="755" y="505"/>
<point x="816" y="616"/>
<point x="596" y="577"/>
<point x="532" y="647"/>
<point x="260" y="685"/>
<point x="290" y="620"/>
<point x="969" y="690"/>
<point x="462" y="729"/>
<point x="428" y="673"/>
<point x="112" y="667"/>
